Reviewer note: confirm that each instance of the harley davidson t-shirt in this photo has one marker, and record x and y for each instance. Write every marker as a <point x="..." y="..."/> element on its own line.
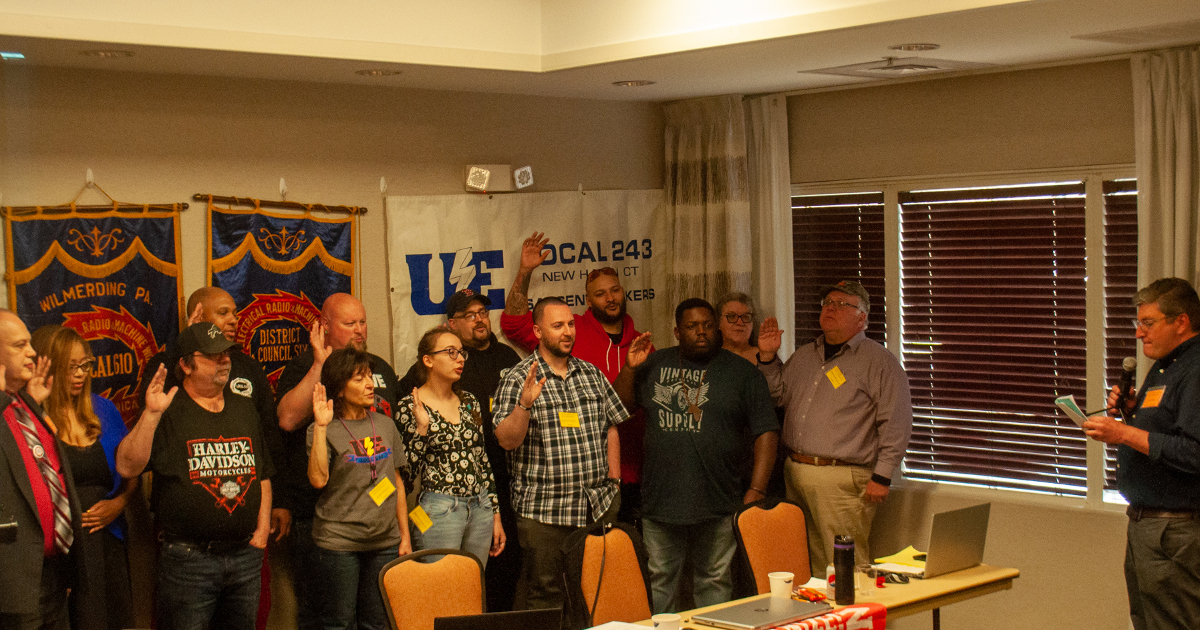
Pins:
<point x="208" y="470"/>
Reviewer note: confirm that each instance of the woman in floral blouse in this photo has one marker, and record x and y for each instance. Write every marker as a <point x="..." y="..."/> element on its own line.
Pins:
<point x="444" y="439"/>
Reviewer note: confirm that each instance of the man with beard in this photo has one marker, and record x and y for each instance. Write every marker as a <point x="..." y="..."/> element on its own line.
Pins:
<point x="847" y="421"/>
<point x="487" y="360"/>
<point x="565" y="453"/>
<point x="343" y="323"/>
<point x="709" y="413"/>
<point x="212" y="488"/>
<point x="604" y="334"/>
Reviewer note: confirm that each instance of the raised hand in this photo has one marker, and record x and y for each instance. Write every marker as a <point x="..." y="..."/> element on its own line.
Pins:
<point x="316" y="338"/>
<point x="770" y="337"/>
<point x="531" y="251"/>
<point x="419" y="413"/>
<point x="197" y="315"/>
<point x="157" y="400"/>
<point x="639" y="350"/>
<point x="322" y="407"/>
<point x="532" y="387"/>
<point x="38" y="387"/>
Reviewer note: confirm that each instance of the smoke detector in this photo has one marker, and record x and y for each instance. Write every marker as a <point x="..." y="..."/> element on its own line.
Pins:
<point x="895" y="67"/>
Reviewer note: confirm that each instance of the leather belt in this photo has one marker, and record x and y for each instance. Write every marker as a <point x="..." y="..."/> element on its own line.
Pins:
<point x="819" y="461"/>
<point x="1139" y="513"/>
<point x="213" y="547"/>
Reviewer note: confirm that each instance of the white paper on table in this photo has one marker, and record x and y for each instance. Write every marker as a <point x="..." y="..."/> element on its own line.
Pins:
<point x="617" y="625"/>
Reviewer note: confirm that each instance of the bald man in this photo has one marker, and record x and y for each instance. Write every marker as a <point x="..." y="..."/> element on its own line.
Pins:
<point x="343" y="324"/>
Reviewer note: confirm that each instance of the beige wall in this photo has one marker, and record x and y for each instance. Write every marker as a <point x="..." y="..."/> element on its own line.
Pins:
<point x="1070" y="553"/>
<point x="1054" y="117"/>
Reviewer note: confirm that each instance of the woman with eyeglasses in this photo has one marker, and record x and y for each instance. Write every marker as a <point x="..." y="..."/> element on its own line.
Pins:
<point x="444" y="437"/>
<point x="361" y="521"/>
<point x="735" y="318"/>
<point x="91" y="428"/>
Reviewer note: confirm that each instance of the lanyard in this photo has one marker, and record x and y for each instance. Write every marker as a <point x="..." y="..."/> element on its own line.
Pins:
<point x="367" y="443"/>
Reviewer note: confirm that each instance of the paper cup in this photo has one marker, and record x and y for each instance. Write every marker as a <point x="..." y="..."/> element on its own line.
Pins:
<point x="781" y="583"/>
<point x="666" y="621"/>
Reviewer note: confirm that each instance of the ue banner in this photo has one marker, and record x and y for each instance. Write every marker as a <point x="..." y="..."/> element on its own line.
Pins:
<point x="113" y="276"/>
<point x="279" y="268"/>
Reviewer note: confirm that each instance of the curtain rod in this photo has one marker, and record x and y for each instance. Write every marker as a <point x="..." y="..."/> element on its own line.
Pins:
<point x="119" y="207"/>
<point x="289" y="205"/>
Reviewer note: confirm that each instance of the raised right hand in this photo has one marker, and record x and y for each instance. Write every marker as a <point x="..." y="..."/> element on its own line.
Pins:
<point x="532" y="387"/>
<point x="322" y="408"/>
<point x="531" y="251"/>
<point x="316" y="338"/>
<point x="639" y="351"/>
<point x="419" y="413"/>
<point x="157" y="400"/>
<point x="770" y="337"/>
<point x="197" y="315"/>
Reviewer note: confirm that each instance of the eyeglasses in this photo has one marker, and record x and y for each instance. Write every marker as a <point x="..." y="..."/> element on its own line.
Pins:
<point x="837" y="304"/>
<point x="452" y="352"/>
<point x="1149" y="322"/>
<point x="603" y="271"/>
<point x="733" y="318"/>
<point x="85" y="367"/>
<point x="471" y="316"/>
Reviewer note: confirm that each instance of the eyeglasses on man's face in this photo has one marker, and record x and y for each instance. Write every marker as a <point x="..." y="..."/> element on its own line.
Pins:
<point x="837" y="304"/>
<point x="452" y="352"/>
<point x="733" y="318"/>
<point x="472" y="316"/>
<point x="1149" y="322"/>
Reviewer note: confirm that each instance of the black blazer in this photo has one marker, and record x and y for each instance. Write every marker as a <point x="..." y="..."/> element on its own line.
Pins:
<point x="21" y="547"/>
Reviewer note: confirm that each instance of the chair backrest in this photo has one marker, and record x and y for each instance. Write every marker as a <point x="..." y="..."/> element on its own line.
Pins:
<point x="416" y="592"/>
<point x="614" y="559"/>
<point x="772" y="535"/>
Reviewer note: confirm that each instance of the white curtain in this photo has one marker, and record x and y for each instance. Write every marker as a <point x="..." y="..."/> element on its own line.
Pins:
<point x="769" y="167"/>
<point x="707" y="199"/>
<point x="1166" y="88"/>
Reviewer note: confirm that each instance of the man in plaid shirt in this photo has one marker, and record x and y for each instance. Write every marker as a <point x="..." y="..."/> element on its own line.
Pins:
<point x="558" y="417"/>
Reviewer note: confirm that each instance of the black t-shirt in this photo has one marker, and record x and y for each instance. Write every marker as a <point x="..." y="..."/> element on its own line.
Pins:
<point x="293" y="487"/>
<point x="208" y="470"/>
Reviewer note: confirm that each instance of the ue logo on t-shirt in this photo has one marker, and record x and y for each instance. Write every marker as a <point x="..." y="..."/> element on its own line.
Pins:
<point x="368" y="450"/>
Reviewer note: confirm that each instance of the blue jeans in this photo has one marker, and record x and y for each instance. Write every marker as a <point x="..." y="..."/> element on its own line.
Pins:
<point x="710" y="546"/>
<point x="350" y="588"/>
<point x="458" y="523"/>
<point x="199" y="590"/>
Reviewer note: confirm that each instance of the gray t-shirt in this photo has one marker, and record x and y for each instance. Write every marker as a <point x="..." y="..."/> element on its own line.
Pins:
<point x="347" y="518"/>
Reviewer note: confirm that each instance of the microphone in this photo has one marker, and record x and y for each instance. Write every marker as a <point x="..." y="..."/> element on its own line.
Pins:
<point x="1129" y="369"/>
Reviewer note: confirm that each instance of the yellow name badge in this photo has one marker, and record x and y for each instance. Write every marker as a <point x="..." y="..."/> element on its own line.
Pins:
<point x="420" y="519"/>
<point x="568" y="419"/>
<point x="835" y="376"/>
<point x="491" y="403"/>
<point x="382" y="491"/>
<point x="1153" y="396"/>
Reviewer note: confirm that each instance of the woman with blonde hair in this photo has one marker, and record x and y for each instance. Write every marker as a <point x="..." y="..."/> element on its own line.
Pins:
<point x="91" y="428"/>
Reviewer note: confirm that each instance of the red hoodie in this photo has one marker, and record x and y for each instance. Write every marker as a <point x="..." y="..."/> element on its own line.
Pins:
<point x="592" y="344"/>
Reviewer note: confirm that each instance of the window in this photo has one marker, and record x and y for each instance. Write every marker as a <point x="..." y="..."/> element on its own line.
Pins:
<point x="993" y="308"/>
<point x="837" y="237"/>
<point x="1120" y="285"/>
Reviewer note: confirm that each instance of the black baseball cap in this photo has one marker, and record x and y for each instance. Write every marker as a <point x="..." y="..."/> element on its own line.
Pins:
<point x="461" y="300"/>
<point x="203" y="337"/>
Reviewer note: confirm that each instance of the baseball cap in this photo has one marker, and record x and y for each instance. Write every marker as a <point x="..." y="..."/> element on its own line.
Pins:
<point x="203" y="337"/>
<point x="850" y="287"/>
<point x="461" y="300"/>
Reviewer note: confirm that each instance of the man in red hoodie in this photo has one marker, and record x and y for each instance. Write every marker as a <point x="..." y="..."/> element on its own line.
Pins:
<point x="602" y="337"/>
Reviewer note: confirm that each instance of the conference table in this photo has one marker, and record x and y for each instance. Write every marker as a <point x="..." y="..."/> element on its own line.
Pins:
<point x="902" y="600"/>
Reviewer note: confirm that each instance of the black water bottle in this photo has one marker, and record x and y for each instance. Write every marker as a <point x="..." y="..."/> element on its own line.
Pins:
<point x="843" y="565"/>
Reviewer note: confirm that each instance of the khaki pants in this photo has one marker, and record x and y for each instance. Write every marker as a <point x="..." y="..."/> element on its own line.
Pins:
<point x="834" y="505"/>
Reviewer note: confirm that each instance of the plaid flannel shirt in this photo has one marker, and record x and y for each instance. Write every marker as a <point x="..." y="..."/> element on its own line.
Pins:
<point x="560" y="473"/>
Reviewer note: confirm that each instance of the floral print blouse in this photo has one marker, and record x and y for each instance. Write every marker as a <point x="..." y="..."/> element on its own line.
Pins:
<point x="450" y="458"/>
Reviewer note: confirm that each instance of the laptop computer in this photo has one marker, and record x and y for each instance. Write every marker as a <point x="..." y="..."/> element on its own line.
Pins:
<point x="547" y="619"/>
<point x="762" y="613"/>
<point x="956" y="540"/>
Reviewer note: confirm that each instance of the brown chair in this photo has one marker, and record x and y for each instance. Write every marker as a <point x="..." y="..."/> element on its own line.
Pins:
<point x="772" y="535"/>
<point x="416" y="592"/>
<point x="607" y="576"/>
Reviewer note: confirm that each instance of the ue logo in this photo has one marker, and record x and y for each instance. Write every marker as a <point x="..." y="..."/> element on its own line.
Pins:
<point x="461" y="270"/>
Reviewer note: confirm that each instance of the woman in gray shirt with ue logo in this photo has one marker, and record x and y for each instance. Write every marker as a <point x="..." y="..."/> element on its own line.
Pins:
<point x="361" y="522"/>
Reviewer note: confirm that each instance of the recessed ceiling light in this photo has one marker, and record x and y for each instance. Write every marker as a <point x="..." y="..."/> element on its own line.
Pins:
<point x="636" y="83"/>
<point x="915" y="47"/>
<point x="11" y="55"/>
<point x="107" y="54"/>
<point x="377" y="72"/>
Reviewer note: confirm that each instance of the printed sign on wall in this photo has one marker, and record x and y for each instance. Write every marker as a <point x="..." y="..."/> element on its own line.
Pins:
<point x="112" y="276"/>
